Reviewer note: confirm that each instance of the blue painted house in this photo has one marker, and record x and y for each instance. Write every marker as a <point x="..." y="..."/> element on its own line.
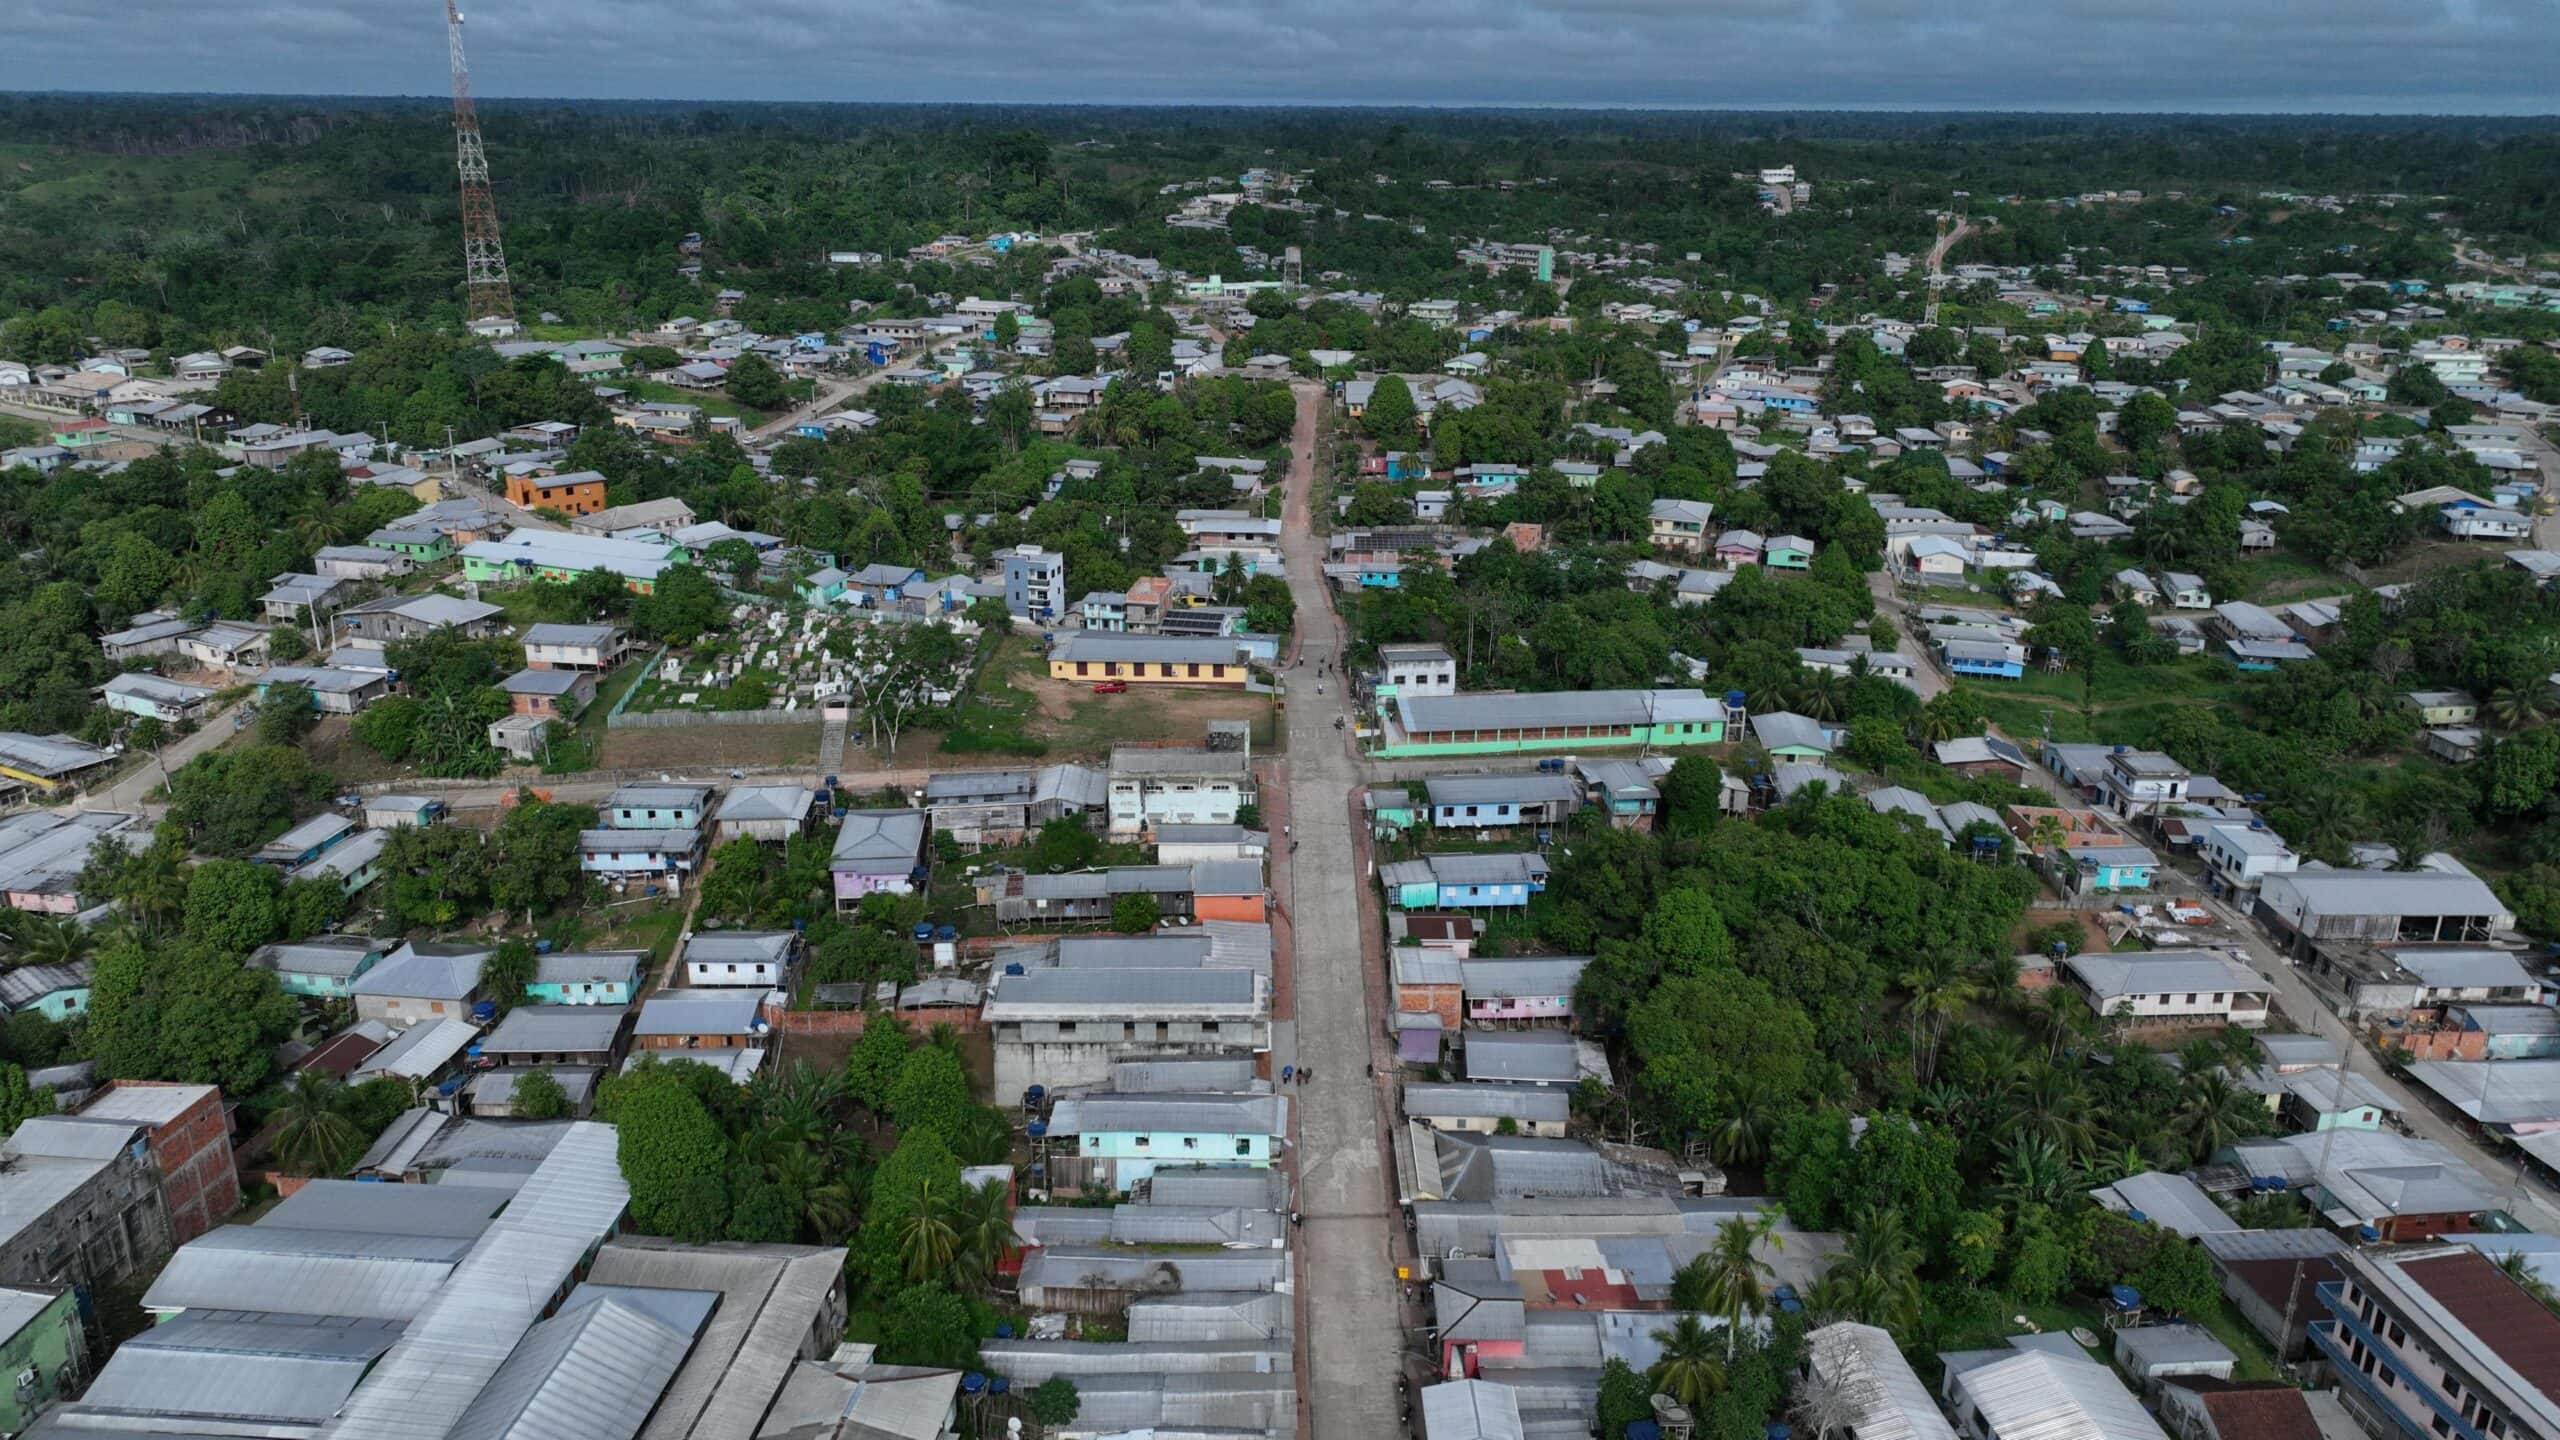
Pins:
<point x="823" y="587"/>
<point x="638" y="854"/>
<point x="587" y="977"/>
<point x="1495" y="802"/>
<point x="1974" y="657"/>
<point x="1466" y="881"/>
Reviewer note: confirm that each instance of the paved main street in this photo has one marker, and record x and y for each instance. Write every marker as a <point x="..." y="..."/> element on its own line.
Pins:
<point x="1350" y="1331"/>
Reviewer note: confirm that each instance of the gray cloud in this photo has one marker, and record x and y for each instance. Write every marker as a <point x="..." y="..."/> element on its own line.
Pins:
<point x="2478" y="56"/>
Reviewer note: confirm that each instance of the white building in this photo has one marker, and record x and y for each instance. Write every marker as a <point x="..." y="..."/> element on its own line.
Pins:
<point x="2176" y="985"/>
<point x="1149" y="787"/>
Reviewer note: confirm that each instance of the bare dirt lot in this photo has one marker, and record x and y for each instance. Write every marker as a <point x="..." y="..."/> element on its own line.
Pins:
<point x="694" y="746"/>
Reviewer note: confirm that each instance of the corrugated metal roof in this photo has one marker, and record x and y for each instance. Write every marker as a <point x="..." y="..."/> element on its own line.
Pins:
<point x="1212" y="1315"/>
<point x="591" y="1372"/>
<point x="361" y="1207"/>
<point x="561" y="1028"/>
<point x="1038" y="993"/>
<point x="1540" y="1103"/>
<point x="239" y="1369"/>
<point x="1216" y="1185"/>
<point x="1868" y="1369"/>
<point x="295" y="1271"/>
<point x="458" y="1341"/>
<point x="1549" y="1056"/>
<point x="770" y="1298"/>
<point x="701" y="1012"/>
<point x="2036" y="1395"/>
<point x="1186" y="1114"/>
<point x="2109" y="974"/>
<point x="419" y="1052"/>
<point x="1534" y="977"/>
<point x="1470" y="1410"/>
<point x="2172" y="1202"/>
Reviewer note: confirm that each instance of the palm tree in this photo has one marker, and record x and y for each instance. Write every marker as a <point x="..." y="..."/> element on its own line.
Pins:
<point x="2033" y="1171"/>
<point x="53" y="940"/>
<point x="1689" y="1370"/>
<point x="2330" y="816"/>
<point x="2051" y="1106"/>
<point x="2213" y="1112"/>
<point x="1822" y="697"/>
<point x="1938" y="992"/>
<point x="817" y="1190"/>
<point x="2516" y="707"/>
<point x="314" y="1135"/>
<point x="1876" y="1280"/>
<point x="1743" y="1137"/>
<point x="1736" y="1278"/>
<point x="2108" y="1166"/>
<point x="926" y="1239"/>
<point x="983" y="1216"/>
<point x="2058" y="1014"/>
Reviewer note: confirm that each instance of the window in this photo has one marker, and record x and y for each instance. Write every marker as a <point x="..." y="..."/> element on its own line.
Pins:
<point x="733" y="969"/>
<point x="2191" y="997"/>
<point x="1244" y="1147"/>
<point x="2398" y="1335"/>
<point x="1141" y="1142"/>
<point x="1190" y="1142"/>
<point x="1066" y="1027"/>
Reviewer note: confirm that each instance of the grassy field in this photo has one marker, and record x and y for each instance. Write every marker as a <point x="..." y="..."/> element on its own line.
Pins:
<point x="2118" y="703"/>
<point x="711" y="401"/>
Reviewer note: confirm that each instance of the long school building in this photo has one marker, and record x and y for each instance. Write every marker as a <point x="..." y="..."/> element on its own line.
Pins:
<point x="1148" y="659"/>
<point x="1510" y="723"/>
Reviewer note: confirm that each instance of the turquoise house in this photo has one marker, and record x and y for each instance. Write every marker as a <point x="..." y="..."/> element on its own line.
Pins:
<point x="1389" y="805"/>
<point x="656" y="807"/>
<point x="2106" y="869"/>
<point x="1407" y="465"/>
<point x="57" y="992"/>
<point x="823" y="587"/>
<point x="2511" y="1032"/>
<point x="589" y="977"/>
<point x="324" y="967"/>
<point x="1123" y="1139"/>
<point x="1787" y="552"/>
<point x="1389" y="576"/>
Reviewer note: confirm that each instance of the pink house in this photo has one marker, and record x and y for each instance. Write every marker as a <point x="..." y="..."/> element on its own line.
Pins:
<point x="1737" y="548"/>
<point x="1536" y="988"/>
<point x="878" y="852"/>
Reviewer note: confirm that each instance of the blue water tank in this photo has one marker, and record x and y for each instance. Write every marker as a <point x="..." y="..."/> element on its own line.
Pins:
<point x="2368" y="1234"/>
<point x="2136" y="1216"/>
<point x="541" y="947"/>
<point x="1733" y="698"/>
<point x="1004" y="1330"/>
<point x="1013" y="969"/>
<point x="1039" y="1129"/>
<point x="998" y="1385"/>
<point x="972" y="1383"/>
<point x="831" y="782"/>
<point x="2124" y="1297"/>
<point x="923" y="931"/>
<point x="1035" y="1094"/>
<point x="946" y="932"/>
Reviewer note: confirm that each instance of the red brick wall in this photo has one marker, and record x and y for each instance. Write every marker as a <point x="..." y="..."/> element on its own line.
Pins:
<point x="198" y="1178"/>
<point x="1445" y="1001"/>
<point x="2447" y="1044"/>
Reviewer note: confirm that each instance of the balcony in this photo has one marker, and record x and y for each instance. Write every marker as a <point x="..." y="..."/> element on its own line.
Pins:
<point x="2332" y="1336"/>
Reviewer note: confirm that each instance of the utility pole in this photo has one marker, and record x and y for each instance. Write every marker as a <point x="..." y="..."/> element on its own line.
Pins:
<point x="487" y="291"/>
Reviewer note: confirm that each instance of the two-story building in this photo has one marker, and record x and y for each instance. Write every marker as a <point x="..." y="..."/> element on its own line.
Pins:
<point x="656" y="806"/>
<point x="2239" y="855"/>
<point x="1680" y="526"/>
<point x="550" y="694"/>
<point x="1532" y="989"/>
<point x="1150" y="786"/>
<point x="1065" y="1026"/>
<point x="656" y="854"/>
<point x="2435" y="1342"/>
<point x="574" y="647"/>
<point x="422" y="980"/>
<point x="1416" y="670"/>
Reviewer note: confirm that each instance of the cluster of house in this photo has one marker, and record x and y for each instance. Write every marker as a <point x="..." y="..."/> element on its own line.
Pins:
<point x="480" y="1284"/>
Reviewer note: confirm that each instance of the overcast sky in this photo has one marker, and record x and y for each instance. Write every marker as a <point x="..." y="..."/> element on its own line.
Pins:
<point x="2447" y="56"/>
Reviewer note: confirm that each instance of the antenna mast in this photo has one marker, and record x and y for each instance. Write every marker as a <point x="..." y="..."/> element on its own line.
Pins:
<point x="484" y="258"/>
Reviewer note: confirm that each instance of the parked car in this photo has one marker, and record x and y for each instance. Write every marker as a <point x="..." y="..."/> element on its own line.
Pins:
<point x="1110" y="687"/>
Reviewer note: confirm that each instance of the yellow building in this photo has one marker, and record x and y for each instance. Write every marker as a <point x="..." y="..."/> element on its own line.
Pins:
<point x="1147" y="659"/>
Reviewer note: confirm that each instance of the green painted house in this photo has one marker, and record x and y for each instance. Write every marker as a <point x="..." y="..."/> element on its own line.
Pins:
<point x="325" y="967"/>
<point x="1560" y="721"/>
<point x="1786" y="552"/>
<point x="420" y="544"/>
<point x="588" y="977"/>
<point x="44" y="1342"/>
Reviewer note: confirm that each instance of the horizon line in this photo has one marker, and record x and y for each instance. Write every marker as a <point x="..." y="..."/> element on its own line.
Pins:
<point x="2133" y="109"/>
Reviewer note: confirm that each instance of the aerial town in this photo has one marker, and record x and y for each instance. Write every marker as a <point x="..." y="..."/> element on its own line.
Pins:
<point x="1079" y="777"/>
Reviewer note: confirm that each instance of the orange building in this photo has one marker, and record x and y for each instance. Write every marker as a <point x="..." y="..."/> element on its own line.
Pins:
<point x="580" y="492"/>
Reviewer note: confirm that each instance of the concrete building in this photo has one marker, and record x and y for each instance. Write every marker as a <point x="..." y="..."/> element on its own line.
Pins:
<point x="1487" y="724"/>
<point x="1062" y="1027"/>
<point x="1035" y="583"/>
<point x="772" y="813"/>
<point x="757" y="959"/>
<point x="2436" y="1341"/>
<point x="878" y="852"/>
<point x="1150" y="787"/>
<point x="80" y="1203"/>
<point x="2189" y="986"/>
<point x="422" y="980"/>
